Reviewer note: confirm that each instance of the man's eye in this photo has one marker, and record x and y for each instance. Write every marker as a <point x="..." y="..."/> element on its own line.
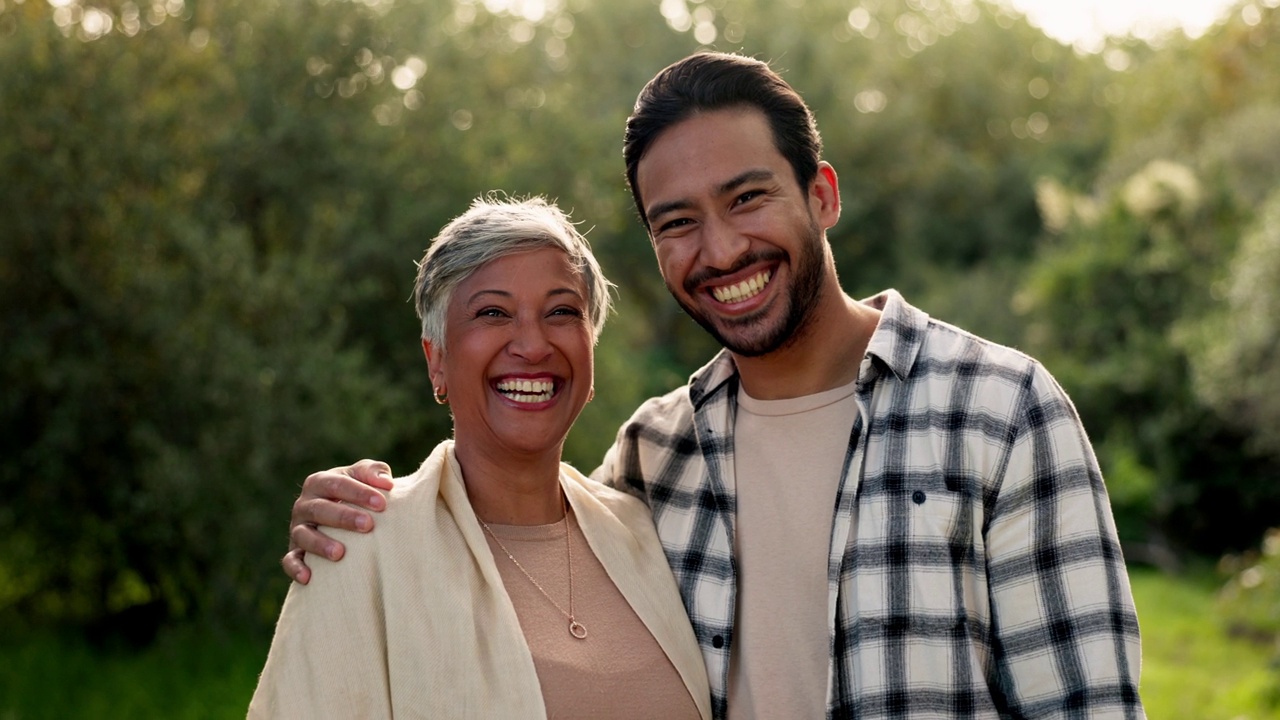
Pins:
<point x="748" y="196"/>
<point x="673" y="224"/>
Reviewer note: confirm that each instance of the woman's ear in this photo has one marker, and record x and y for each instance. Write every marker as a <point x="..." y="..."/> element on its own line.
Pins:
<point x="434" y="358"/>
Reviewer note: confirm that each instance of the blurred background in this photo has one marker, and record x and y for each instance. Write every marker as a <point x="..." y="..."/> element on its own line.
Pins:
<point x="210" y="209"/>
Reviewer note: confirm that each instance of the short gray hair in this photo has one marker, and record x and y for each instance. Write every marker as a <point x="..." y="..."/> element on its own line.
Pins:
<point x="493" y="227"/>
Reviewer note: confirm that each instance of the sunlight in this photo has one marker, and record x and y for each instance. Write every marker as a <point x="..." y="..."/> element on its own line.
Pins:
<point x="534" y="11"/>
<point x="1087" y="24"/>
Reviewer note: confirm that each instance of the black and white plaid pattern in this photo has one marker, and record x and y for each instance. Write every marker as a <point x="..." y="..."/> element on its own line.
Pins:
<point x="974" y="568"/>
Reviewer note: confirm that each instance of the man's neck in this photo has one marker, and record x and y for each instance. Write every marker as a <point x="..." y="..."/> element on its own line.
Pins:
<point x="825" y="354"/>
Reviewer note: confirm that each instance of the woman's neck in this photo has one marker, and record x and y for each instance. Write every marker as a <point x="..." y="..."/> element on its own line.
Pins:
<point x="507" y="489"/>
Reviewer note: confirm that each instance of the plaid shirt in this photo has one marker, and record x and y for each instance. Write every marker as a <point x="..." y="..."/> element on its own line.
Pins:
<point x="974" y="569"/>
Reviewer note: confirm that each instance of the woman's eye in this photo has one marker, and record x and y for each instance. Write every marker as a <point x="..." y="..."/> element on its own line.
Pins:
<point x="491" y="312"/>
<point x="567" y="311"/>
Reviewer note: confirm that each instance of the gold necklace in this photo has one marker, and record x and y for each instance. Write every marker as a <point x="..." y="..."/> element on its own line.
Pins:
<point x="576" y="629"/>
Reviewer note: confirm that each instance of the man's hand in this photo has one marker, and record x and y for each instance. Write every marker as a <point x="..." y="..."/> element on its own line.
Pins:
<point x="333" y="498"/>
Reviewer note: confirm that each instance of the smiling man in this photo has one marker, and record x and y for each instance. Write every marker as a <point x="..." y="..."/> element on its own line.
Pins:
<point x="869" y="513"/>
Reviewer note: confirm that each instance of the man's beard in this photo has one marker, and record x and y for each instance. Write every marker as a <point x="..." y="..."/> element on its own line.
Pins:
<point x="804" y="295"/>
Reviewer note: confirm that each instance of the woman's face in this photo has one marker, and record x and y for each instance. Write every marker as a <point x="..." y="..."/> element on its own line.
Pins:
<point x="518" y="355"/>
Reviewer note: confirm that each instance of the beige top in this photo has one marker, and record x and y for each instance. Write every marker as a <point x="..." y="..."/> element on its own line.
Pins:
<point x="618" y="670"/>
<point x="415" y="622"/>
<point x="788" y="458"/>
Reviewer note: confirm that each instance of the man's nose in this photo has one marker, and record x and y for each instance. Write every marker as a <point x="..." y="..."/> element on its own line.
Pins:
<point x="722" y="243"/>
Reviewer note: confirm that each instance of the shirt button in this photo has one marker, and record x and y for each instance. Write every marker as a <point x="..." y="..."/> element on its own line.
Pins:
<point x="917" y="497"/>
<point x="717" y="642"/>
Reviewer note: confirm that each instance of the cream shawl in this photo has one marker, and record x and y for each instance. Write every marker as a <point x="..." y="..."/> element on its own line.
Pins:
<point x="415" y="622"/>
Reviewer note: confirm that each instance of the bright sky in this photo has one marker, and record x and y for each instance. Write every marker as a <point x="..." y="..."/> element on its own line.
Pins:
<point x="1085" y="22"/>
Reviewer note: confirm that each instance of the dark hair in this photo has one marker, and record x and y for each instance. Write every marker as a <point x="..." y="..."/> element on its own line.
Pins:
<point x="716" y="81"/>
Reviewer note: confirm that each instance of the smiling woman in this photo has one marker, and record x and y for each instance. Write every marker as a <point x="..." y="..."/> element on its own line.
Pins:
<point x="501" y="582"/>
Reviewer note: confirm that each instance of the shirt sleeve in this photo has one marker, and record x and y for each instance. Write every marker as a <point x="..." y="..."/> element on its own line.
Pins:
<point x="621" y="468"/>
<point x="1066" y="640"/>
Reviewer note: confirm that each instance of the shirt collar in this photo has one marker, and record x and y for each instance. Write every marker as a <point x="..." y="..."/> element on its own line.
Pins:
<point x="899" y="335"/>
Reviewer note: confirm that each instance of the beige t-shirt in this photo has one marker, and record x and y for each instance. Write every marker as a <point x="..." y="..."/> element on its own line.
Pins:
<point x="587" y="678"/>
<point x="788" y="458"/>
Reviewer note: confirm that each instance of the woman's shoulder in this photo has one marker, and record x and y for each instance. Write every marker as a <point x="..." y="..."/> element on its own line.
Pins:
<point x="405" y="503"/>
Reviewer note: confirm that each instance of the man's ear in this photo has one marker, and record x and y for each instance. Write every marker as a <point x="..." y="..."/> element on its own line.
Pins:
<point x="824" y="196"/>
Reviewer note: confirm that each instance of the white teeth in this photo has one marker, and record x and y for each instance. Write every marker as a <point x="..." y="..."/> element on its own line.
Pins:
<point x="741" y="291"/>
<point x="527" y="391"/>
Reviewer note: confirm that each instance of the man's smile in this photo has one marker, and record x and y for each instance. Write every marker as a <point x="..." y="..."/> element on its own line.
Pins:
<point x="743" y="290"/>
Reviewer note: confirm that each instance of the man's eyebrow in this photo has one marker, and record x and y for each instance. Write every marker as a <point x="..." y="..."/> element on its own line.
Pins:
<point x="749" y="176"/>
<point x="670" y="206"/>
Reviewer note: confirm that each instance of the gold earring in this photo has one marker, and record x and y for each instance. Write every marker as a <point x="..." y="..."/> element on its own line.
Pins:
<point x="441" y="396"/>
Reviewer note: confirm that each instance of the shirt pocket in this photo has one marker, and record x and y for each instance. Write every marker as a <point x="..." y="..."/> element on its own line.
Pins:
<point x="935" y="507"/>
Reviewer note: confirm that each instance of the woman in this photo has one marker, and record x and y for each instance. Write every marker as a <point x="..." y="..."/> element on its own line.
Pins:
<point x="501" y="583"/>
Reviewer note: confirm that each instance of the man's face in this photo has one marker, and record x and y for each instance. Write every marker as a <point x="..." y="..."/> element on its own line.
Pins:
<point x="739" y="242"/>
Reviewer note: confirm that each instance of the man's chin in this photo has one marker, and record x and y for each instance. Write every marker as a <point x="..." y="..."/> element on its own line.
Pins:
<point x="745" y="343"/>
<point x="745" y="335"/>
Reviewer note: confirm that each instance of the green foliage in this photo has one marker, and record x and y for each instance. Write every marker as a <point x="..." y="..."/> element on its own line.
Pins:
<point x="1234" y="349"/>
<point x="210" y="214"/>
<point x="176" y="350"/>
<point x="1120" y="304"/>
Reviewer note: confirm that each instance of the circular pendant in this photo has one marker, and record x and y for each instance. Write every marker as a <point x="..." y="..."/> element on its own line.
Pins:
<point x="577" y="630"/>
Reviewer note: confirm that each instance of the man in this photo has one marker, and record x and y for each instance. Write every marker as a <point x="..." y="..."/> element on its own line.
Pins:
<point x="869" y="513"/>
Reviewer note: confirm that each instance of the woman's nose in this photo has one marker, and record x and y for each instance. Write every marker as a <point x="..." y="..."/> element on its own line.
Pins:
<point x="530" y="342"/>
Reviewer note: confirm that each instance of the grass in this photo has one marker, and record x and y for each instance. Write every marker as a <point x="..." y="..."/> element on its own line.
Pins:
<point x="185" y="674"/>
<point x="1192" y="669"/>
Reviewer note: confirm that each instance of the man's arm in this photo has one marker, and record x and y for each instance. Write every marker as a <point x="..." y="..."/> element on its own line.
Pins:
<point x="333" y="498"/>
<point x="1066" y="632"/>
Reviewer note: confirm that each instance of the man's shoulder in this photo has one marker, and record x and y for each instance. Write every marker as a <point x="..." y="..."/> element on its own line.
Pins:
<point x="666" y="414"/>
<point x="944" y="340"/>
<point x="623" y="505"/>
<point x="653" y="445"/>
<point x="926" y="352"/>
<point x="907" y="337"/>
